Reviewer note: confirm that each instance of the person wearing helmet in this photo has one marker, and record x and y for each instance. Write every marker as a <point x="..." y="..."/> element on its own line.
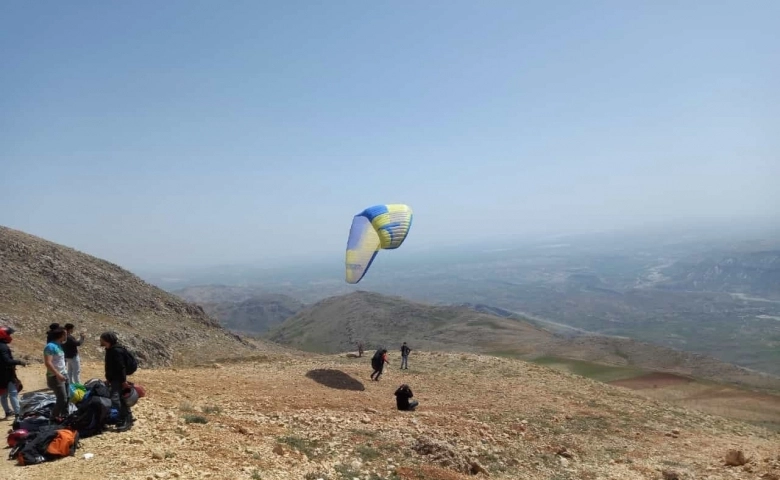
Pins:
<point x="9" y="382"/>
<point x="57" y="373"/>
<point x="116" y="376"/>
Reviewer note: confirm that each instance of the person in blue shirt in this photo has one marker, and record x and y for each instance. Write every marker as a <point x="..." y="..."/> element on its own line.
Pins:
<point x="57" y="373"/>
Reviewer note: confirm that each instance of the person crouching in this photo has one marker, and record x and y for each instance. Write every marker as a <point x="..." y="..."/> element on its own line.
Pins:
<point x="402" y="396"/>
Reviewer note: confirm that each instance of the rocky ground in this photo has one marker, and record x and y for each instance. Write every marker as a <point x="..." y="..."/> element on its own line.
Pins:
<point x="290" y="417"/>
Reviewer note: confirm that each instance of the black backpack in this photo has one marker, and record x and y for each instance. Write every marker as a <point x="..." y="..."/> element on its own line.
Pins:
<point x="96" y="388"/>
<point x="131" y="362"/>
<point x="91" y="417"/>
<point x="376" y="360"/>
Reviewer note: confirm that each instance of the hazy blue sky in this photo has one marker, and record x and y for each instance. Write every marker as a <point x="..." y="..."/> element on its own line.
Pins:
<point x="186" y="132"/>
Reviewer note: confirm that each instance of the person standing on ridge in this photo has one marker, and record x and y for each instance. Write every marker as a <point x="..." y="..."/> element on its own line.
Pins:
<point x="405" y="356"/>
<point x="9" y="382"/>
<point x="72" y="359"/>
<point x="56" y="373"/>
<point x="116" y="376"/>
<point x="360" y="349"/>
<point x="378" y="363"/>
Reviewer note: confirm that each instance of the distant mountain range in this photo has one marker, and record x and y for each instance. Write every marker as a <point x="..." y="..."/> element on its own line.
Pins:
<point x="714" y="292"/>
<point x="751" y="273"/>
<point x="337" y="324"/>
<point x="243" y="310"/>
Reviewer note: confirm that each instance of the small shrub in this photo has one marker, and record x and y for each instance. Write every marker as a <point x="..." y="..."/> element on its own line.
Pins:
<point x="367" y="453"/>
<point x="186" y="407"/>
<point x="303" y="445"/>
<point x="346" y="472"/>
<point x="195" y="419"/>
<point x="213" y="409"/>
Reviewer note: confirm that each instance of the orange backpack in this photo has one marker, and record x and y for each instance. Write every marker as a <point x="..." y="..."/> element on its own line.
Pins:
<point x="45" y="446"/>
<point x="64" y="444"/>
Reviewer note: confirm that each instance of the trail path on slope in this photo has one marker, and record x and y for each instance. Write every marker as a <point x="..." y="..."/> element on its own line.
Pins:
<point x="289" y="417"/>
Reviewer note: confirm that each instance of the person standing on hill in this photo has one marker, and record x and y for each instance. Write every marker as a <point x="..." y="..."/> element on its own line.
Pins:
<point x="405" y="356"/>
<point x="378" y="363"/>
<point x="116" y="376"/>
<point x="9" y="382"/>
<point x="72" y="359"/>
<point x="56" y="373"/>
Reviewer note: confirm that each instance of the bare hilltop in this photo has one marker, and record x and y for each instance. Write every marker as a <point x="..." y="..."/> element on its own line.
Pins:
<point x="42" y="282"/>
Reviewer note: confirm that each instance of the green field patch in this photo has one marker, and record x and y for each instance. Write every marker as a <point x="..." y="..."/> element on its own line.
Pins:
<point x="595" y="371"/>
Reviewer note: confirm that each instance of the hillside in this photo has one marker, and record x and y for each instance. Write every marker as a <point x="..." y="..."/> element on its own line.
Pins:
<point x="202" y="294"/>
<point x="242" y="309"/>
<point x="336" y="324"/>
<point x="288" y="417"/>
<point x="42" y="282"/>
<point x="751" y="273"/>
<point x="255" y="315"/>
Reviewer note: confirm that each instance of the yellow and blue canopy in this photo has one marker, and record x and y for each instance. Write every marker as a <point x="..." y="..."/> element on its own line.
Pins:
<point x="381" y="227"/>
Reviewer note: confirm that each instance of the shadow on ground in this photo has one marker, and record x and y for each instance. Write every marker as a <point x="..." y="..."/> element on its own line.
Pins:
<point x="335" y="379"/>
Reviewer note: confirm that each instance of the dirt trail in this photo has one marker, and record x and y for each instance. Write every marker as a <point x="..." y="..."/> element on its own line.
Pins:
<point x="321" y="417"/>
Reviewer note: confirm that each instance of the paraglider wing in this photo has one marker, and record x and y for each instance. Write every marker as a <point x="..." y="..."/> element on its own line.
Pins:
<point x="375" y="228"/>
<point x="362" y="247"/>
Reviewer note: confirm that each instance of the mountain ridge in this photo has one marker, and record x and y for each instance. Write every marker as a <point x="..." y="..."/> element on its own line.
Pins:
<point x="337" y="323"/>
<point x="42" y="282"/>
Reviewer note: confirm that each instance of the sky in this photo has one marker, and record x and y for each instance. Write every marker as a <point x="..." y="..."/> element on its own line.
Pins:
<point x="196" y="133"/>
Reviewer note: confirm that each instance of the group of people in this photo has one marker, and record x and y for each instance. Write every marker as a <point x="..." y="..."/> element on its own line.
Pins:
<point x="63" y="368"/>
<point x="404" y="392"/>
<point x="379" y="360"/>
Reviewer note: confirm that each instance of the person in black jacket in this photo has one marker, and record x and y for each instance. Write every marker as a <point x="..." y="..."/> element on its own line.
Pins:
<point x="378" y="363"/>
<point x="402" y="396"/>
<point x="9" y="382"/>
<point x="116" y="376"/>
<point x="72" y="359"/>
<point x="405" y="356"/>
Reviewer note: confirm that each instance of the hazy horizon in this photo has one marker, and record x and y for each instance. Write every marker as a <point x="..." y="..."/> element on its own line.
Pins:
<point x="187" y="133"/>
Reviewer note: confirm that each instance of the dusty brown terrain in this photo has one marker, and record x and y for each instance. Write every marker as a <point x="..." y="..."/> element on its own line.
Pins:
<point x="42" y="282"/>
<point x="653" y="380"/>
<point x="286" y="416"/>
